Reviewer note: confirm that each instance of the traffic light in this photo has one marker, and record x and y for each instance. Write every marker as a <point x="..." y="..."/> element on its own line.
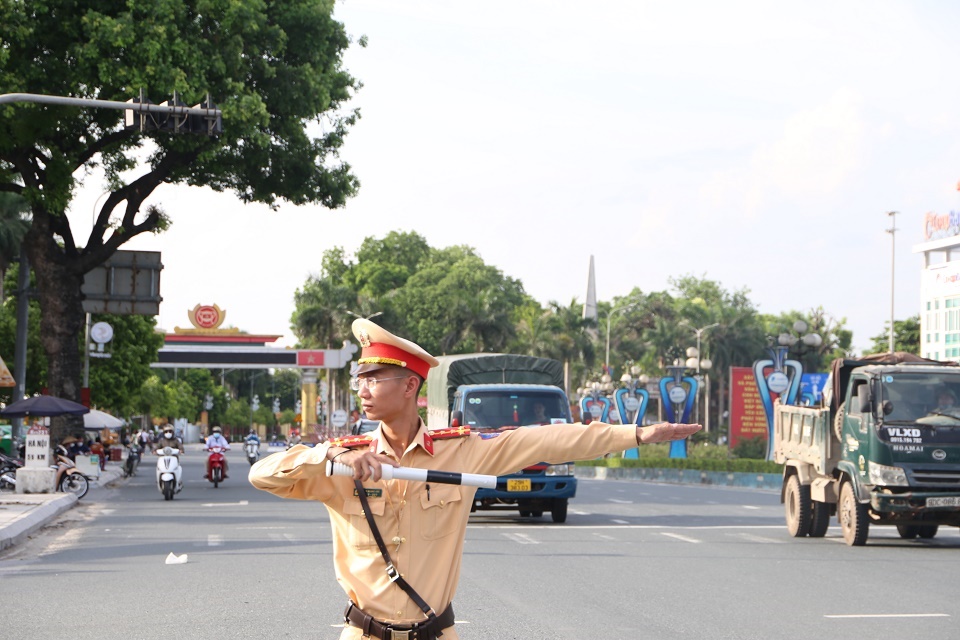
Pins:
<point x="175" y="122"/>
<point x="142" y="120"/>
<point x="174" y="119"/>
<point x="211" y="125"/>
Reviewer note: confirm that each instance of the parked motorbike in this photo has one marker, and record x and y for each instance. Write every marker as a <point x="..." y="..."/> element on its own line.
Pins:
<point x="69" y="479"/>
<point x="169" y="472"/>
<point x="215" y="465"/>
<point x="132" y="462"/>
<point x="252" y="449"/>
<point x="8" y="472"/>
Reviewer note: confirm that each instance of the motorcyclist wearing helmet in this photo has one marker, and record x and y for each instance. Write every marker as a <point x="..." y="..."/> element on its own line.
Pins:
<point x="169" y="439"/>
<point x="252" y="436"/>
<point x="216" y="439"/>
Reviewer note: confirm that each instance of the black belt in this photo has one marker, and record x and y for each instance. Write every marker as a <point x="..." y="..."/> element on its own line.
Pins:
<point x="427" y="630"/>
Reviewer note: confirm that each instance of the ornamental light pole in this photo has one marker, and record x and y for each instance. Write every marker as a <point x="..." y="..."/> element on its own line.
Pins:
<point x="893" y="241"/>
<point x="705" y="364"/>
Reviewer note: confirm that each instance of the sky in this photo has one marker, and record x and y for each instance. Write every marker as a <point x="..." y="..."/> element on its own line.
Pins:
<point x="757" y="144"/>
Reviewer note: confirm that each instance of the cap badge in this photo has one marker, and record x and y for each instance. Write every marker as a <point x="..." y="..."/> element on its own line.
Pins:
<point x="364" y="338"/>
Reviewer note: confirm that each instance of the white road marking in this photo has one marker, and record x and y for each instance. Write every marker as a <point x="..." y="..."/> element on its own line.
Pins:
<point x="680" y="537"/>
<point x="619" y="501"/>
<point x="604" y="537"/>
<point x="213" y="540"/>
<point x="579" y="513"/>
<point x="521" y="538"/>
<point x="888" y="615"/>
<point x="242" y="503"/>
<point x="282" y="537"/>
<point x="753" y="538"/>
<point x="750" y="506"/>
<point x="619" y="521"/>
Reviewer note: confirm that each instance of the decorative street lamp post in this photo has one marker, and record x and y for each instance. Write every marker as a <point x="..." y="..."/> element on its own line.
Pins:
<point x="680" y="390"/>
<point x="594" y="405"/>
<point x="632" y="399"/>
<point x="783" y="380"/>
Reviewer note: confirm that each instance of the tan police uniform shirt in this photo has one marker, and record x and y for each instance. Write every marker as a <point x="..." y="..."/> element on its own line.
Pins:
<point x="423" y="529"/>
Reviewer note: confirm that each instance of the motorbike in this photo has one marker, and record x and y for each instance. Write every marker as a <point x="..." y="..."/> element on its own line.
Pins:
<point x="252" y="449"/>
<point x="169" y="472"/>
<point x="68" y="478"/>
<point x="132" y="462"/>
<point x="216" y="461"/>
<point x="8" y="472"/>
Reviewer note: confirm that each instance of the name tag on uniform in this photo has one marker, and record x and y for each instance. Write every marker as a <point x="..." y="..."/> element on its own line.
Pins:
<point x="371" y="493"/>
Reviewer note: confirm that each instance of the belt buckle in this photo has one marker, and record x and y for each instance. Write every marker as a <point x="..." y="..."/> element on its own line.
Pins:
<point x="396" y="634"/>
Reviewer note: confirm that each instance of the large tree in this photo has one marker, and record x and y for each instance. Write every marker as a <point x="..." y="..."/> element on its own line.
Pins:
<point x="274" y="68"/>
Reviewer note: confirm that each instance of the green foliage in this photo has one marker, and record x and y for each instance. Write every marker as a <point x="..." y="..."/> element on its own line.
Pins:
<point x="751" y="448"/>
<point x="115" y="381"/>
<point x="238" y="415"/>
<point x="273" y="68"/>
<point x="906" y="337"/>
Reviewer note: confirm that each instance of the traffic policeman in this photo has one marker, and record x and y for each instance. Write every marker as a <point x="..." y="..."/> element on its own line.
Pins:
<point x="395" y="592"/>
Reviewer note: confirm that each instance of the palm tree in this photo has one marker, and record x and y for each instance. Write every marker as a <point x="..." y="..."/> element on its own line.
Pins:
<point x="14" y="224"/>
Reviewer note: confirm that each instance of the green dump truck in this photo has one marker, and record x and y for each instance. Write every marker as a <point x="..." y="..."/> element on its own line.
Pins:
<point x="884" y="450"/>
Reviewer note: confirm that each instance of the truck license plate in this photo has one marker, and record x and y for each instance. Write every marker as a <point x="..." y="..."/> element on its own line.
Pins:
<point x="520" y="485"/>
<point x="949" y="501"/>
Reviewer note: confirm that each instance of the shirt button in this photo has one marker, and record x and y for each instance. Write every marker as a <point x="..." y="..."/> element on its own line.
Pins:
<point x="441" y="503"/>
<point x="399" y="614"/>
<point x="397" y="539"/>
<point x="403" y="503"/>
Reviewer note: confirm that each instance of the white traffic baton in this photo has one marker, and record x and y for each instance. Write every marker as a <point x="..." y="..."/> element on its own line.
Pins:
<point x="419" y="475"/>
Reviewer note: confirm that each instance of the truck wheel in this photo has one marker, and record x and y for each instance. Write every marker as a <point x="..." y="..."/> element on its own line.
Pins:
<point x="927" y="531"/>
<point x="908" y="531"/>
<point x="820" y="521"/>
<point x="559" y="511"/>
<point x="797" y="505"/>
<point x="853" y="517"/>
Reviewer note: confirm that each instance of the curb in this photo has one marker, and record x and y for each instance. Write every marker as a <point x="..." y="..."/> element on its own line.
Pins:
<point x="684" y="476"/>
<point x="18" y="530"/>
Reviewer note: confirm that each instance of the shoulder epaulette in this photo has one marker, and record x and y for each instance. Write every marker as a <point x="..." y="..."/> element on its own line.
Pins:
<point x="350" y="442"/>
<point x="453" y="432"/>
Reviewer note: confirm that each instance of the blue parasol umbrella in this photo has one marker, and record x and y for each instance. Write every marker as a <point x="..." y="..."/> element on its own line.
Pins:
<point x="43" y="406"/>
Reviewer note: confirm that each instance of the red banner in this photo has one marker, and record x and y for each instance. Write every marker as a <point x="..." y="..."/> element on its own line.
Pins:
<point x="747" y="418"/>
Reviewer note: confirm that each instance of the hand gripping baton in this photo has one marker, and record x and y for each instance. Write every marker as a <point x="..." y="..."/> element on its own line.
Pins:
<point x="419" y="475"/>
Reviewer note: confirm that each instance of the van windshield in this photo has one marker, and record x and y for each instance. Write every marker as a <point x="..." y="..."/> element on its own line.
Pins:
<point x="498" y="409"/>
<point x="927" y="398"/>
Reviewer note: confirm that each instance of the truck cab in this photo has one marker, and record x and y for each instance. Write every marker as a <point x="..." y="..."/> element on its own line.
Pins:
<point x="491" y="409"/>
<point x="900" y="445"/>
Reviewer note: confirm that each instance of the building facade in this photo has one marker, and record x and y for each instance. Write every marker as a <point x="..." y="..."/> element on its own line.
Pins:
<point x="940" y="286"/>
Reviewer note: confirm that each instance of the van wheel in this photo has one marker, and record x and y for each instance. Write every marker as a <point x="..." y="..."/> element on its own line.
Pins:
<point x="797" y="505"/>
<point x="853" y="517"/>
<point x="820" y="521"/>
<point x="927" y="531"/>
<point x="559" y="511"/>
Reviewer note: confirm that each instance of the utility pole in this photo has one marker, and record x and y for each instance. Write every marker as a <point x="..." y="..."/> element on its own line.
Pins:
<point x="893" y="242"/>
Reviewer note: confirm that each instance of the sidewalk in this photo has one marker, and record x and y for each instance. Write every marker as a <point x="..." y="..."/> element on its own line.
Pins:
<point x="21" y="514"/>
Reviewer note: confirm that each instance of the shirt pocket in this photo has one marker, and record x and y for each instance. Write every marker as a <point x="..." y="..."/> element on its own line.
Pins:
<point x="442" y="507"/>
<point x="360" y="534"/>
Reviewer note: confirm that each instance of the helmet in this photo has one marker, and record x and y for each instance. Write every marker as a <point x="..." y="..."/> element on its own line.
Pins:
<point x="217" y="430"/>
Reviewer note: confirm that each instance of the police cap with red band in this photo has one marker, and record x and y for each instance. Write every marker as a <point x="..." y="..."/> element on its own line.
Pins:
<point x="380" y="349"/>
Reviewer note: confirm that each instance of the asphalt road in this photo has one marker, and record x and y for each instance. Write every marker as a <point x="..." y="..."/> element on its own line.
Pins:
<point x="634" y="560"/>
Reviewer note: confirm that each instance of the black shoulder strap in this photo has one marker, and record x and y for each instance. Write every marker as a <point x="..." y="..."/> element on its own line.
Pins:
<point x="391" y="570"/>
